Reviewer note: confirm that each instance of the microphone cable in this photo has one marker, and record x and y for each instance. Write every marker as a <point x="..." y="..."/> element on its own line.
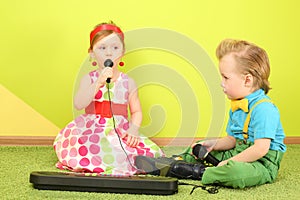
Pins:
<point x="114" y="125"/>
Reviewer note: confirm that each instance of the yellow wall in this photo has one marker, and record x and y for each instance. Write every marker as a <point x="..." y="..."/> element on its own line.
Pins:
<point x="44" y="48"/>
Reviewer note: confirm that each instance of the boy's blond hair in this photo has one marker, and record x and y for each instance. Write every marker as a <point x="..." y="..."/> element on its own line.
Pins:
<point x="250" y="59"/>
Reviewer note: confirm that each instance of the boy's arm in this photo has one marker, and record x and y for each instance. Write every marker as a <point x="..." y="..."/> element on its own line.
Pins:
<point x="225" y="143"/>
<point x="253" y="153"/>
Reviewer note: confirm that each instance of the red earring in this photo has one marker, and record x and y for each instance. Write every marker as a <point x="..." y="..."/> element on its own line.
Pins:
<point x="94" y="63"/>
<point x="121" y="64"/>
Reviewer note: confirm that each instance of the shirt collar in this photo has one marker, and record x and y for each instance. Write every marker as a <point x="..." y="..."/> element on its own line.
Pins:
<point x="254" y="95"/>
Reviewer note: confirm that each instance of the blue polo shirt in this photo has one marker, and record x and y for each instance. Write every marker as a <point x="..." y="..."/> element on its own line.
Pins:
<point x="264" y="122"/>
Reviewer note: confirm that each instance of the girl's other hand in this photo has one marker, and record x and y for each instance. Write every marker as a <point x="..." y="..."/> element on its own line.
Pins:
<point x="131" y="140"/>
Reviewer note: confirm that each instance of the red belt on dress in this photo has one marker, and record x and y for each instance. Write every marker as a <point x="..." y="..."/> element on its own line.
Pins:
<point x="103" y="108"/>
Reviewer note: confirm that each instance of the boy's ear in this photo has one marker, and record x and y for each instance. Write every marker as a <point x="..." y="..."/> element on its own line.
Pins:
<point x="248" y="80"/>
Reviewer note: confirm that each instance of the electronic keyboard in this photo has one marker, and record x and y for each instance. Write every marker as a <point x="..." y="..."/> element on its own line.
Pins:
<point x="137" y="184"/>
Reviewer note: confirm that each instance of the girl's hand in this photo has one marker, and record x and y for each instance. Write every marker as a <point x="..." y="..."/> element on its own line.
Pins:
<point x="132" y="135"/>
<point x="106" y="72"/>
<point x="131" y="140"/>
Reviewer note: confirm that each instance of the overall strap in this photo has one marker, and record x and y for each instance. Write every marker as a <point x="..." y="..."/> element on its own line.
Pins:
<point x="247" y="120"/>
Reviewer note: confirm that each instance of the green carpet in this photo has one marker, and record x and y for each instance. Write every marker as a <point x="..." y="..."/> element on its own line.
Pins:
<point x="18" y="162"/>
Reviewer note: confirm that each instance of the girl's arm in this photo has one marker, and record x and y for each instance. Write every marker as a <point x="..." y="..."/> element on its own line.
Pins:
<point x="253" y="153"/>
<point x="85" y="93"/>
<point x="87" y="90"/>
<point x="132" y="133"/>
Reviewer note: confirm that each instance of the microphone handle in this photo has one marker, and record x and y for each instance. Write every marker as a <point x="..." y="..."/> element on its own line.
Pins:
<point x="211" y="159"/>
<point x="201" y="152"/>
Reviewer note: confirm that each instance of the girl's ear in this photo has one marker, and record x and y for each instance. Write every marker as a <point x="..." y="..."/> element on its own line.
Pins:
<point x="248" y="80"/>
<point x="92" y="55"/>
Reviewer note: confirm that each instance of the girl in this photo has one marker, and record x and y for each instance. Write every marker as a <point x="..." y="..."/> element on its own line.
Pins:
<point x="103" y="140"/>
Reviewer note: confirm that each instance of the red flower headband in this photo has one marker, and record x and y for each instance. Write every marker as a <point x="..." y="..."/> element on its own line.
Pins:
<point x="106" y="27"/>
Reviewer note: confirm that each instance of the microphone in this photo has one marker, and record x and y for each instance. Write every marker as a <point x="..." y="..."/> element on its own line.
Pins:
<point x="108" y="63"/>
<point x="201" y="152"/>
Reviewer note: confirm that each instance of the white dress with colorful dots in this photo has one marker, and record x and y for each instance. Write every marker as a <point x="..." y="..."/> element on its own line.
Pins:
<point x="90" y="144"/>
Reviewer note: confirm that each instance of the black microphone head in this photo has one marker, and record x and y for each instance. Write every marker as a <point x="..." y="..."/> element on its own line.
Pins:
<point x="199" y="151"/>
<point x="196" y="149"/>
<point x="108" y="63"/>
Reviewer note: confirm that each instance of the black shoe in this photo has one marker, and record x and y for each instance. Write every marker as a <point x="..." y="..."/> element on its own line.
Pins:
<point x="184" y="170"/>
<point x="155" y="166"/>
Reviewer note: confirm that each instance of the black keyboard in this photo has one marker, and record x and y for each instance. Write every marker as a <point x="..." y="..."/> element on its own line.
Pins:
<point x="139" y="184"/>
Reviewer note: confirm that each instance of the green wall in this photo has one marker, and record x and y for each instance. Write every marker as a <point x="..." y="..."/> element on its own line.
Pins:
<point x="44" y="46"/>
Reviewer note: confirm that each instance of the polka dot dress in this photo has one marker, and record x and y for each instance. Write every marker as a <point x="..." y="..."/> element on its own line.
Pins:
<point x="90" y="144"/>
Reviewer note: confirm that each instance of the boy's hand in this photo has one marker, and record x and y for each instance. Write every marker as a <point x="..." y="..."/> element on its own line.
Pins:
<point x="209" y="144"/>
<point x="224" y="162"/>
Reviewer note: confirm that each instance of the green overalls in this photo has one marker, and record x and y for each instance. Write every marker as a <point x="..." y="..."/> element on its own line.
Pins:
<point x="241" y="174"/>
